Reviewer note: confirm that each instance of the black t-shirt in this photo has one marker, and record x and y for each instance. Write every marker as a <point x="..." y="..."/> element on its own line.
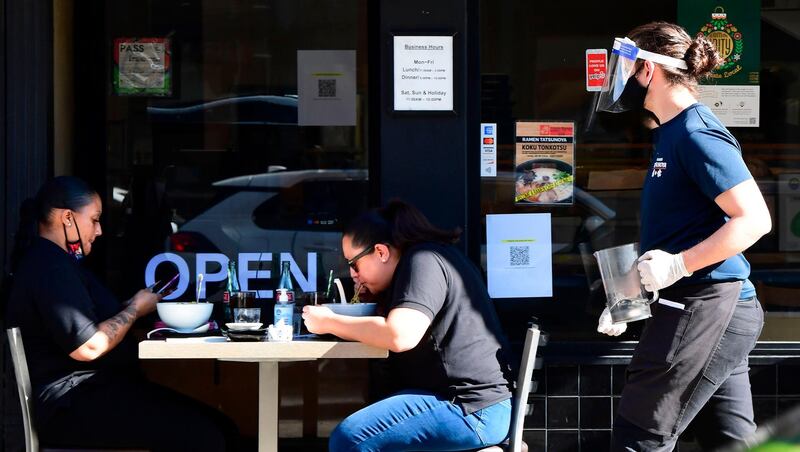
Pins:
<point x="58" y="304"/>
<point x="462" y="356"/>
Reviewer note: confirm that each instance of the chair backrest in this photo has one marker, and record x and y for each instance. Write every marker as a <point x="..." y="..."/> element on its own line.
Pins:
<point x="523" y="389"/>
<point x="23" y="387"/>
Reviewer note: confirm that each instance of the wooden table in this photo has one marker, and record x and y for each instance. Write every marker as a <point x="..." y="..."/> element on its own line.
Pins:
<point x="267" y="355"/>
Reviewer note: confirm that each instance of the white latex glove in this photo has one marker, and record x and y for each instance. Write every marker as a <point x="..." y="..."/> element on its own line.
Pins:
<point x="659" y="269"/>
<point x="605" y="326"/>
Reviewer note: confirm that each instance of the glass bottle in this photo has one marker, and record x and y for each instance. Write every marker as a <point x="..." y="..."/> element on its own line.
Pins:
<point x="286" y="277"/>
<point x="284" y="297"/>
<point x="232" y="287"/>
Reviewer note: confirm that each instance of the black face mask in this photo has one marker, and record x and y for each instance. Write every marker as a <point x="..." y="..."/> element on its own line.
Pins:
<point x="74" y="249"/>
<point x="633" y="95"/>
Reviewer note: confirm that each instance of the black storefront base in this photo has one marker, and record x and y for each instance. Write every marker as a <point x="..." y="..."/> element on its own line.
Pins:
<point x="579" y="384"/>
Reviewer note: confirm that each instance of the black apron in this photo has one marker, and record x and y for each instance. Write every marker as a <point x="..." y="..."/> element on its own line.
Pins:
<point x="675" y="348"/>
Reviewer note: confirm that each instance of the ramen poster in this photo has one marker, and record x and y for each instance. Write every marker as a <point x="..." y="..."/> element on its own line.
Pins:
<point x="544" y="163"/>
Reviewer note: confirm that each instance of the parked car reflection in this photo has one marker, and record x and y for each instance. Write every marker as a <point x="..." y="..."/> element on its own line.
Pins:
<point x="257" y="109"/>
<point x="297" y="212"/>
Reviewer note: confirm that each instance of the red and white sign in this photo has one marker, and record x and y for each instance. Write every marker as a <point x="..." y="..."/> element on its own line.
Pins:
<point x="596" y="64"/>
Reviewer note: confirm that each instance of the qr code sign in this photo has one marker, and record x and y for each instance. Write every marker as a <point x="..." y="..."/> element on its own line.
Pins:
<point x="326" y="88"/>
<point x="519" y="256"/>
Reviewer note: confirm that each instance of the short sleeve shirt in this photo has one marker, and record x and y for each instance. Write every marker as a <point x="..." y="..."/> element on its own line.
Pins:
<point x="462" y="356"/>
<point x="58" y="304"/>
<point x="695" y="160"/>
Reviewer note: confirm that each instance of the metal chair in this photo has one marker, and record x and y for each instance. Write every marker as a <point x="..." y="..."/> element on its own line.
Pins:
<point x="24" y="389"/>
<point x="519" y="408"/>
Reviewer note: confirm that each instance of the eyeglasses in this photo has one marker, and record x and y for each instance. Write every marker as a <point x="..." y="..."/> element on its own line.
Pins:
<point x="367" y="250"/>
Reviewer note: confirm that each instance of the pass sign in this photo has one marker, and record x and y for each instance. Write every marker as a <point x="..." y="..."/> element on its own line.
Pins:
<point x="596" y="63"/>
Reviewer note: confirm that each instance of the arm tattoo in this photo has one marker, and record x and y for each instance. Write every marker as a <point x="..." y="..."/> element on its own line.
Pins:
<point x="126" y="317"/>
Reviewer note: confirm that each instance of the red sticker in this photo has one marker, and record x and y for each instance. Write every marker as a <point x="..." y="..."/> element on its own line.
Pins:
<point x="595" y="69"/>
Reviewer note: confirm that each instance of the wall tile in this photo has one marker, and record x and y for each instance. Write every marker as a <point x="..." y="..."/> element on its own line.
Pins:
<point x="536" y="440"/>
<point x="788" y="381"/>
<point x="537" y="410"/>
<point x="562" y="412"/>
<point x="762" y="380"/>
<point x="562" y="380"/>
<point x="595" y="380"/>
<point x="563" y="441"/>
<point x="595" y="441"/>
<point x="618" y="379"/>
<point x="595" y="412"/>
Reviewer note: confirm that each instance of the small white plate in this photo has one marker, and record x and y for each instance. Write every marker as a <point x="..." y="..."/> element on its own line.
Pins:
<point x="242" y="326"/>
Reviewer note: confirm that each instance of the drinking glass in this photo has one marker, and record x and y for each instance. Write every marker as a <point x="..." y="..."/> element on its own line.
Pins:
<point x="244" y="307"/>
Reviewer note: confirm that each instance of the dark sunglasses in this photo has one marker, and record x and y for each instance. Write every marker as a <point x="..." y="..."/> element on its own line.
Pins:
<point x="367" y="250"/>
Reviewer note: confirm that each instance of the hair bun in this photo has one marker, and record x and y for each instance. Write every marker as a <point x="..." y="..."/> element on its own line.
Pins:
<point x="701" y="57"/>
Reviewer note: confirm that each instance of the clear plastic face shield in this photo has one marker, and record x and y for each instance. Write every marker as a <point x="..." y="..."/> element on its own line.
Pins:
<point x="619" y="91"/>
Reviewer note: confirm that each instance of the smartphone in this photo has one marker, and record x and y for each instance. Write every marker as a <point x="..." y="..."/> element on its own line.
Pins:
<point x="167" y="288"/>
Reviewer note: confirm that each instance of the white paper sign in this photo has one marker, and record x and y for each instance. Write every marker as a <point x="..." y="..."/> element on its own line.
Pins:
<point x="423" y="73"/>
<point x="519" y="257"/>
<point x="734" y="105"/>
<point x="326" y="87"/>
<point x="488" y="149"/>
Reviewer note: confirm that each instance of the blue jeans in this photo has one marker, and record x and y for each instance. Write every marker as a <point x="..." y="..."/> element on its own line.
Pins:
<point x="420" y="421"/>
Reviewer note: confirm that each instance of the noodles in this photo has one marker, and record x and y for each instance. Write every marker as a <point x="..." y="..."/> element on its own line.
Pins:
<point x="355" y="298"/>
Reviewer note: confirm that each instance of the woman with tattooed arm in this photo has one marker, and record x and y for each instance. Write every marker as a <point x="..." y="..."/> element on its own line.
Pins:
<point x="88" y="388"/>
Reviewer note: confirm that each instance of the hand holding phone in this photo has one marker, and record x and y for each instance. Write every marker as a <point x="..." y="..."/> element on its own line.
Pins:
<point x="168" y="288"/>
<point x="151" y="286"/>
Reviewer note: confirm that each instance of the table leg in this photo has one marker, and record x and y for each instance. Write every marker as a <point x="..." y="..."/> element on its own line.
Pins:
<point x="268" y="403"/>
<point x="310" y="399"/>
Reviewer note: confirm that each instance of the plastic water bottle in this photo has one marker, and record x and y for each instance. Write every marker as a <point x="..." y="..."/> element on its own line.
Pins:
<point x="284" y="309"/>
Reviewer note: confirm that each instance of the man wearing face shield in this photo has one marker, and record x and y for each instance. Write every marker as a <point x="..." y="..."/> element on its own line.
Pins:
<point x="700" y="209"/>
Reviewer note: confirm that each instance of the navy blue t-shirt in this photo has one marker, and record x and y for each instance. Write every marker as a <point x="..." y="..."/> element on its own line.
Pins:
<point x="58" y="304"/>
<point x="695" y="160"/>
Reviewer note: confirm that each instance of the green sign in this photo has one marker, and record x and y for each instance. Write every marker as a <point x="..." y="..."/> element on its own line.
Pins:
<point x="734" y="26"/>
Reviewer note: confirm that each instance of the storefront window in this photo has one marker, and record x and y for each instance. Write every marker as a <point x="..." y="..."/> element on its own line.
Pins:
<point x="246" y="140"/>
<point x="533" y="68"/>
<point x="232" y="160"/>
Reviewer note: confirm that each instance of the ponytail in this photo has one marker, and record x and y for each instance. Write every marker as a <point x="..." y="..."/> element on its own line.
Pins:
<point x="398" y="224"/>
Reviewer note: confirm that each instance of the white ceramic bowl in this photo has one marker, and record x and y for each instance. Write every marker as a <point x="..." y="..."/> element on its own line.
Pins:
<point x="352" y="309"/>
<point x="184" y="316"/>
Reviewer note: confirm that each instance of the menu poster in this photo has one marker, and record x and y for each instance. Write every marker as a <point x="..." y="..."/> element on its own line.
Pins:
<point x="544" y="162"/>
<point x="142" y="67"/>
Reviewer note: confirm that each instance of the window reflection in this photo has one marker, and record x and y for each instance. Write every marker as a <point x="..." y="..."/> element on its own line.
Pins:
<point x="532" y="64"/>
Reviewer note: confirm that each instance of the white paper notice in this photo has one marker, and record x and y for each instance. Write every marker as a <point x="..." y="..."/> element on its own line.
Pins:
<point x="519" y="255"/>
<point x="423" y="73"/>
<point x="326" y="87"/>
<point x="734" y="105"/>
<point x="488" y="149"/>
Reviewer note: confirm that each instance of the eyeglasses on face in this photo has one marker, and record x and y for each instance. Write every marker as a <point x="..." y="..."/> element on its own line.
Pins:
<point x="352" y="262"/>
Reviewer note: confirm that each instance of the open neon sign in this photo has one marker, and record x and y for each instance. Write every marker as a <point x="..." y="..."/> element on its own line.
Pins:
<point x="306" y="282"/>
